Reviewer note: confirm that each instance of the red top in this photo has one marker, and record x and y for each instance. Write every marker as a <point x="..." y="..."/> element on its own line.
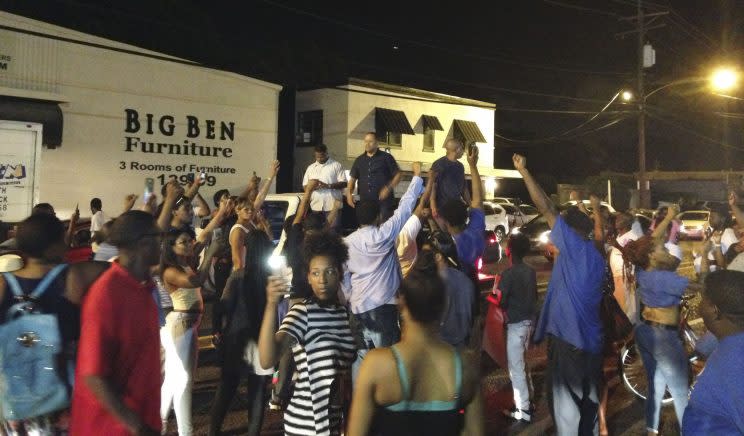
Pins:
<point x="79" y="254"/>
<point x="120" y="341"/>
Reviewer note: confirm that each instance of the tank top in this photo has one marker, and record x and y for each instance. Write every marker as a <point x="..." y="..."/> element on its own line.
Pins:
<point x="186" y="298"/>
<point x="243" y="248"/>
<point x="411" y="418"/>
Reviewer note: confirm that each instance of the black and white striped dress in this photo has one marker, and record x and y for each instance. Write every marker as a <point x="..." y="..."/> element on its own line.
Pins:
<point x="323" y="351"/>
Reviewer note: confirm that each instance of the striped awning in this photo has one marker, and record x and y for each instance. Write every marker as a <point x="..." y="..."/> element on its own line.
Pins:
<point x="431" y="122"/>
<point x="390" y="120"/>
<point x="467" y="131"/>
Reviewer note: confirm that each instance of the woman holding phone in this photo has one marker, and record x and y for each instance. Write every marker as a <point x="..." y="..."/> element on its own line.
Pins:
<point x="183" y="281"/>
<point x="317" y="332"/>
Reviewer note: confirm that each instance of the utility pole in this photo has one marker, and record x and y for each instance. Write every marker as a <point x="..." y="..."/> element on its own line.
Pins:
<point x="643" y="185"/>
<point x="641" y="29"/>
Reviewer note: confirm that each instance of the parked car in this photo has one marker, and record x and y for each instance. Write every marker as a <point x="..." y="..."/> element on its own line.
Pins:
<point x="516" y="214"/>
<point x="587" y="204"/>
<point x="496" y="219"/>
<point x="695" y="223"/>
<point x="504" y="200"/>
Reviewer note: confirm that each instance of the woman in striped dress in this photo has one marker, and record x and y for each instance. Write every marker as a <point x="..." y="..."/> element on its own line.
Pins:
<point x="318" y="333"/>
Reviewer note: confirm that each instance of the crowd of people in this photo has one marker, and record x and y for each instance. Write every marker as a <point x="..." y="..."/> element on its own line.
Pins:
<point x="371" y="333"/>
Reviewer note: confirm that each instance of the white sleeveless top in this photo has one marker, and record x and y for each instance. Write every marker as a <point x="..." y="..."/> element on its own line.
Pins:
<point x="186" y="298"/>
<point x="243" y="248"/>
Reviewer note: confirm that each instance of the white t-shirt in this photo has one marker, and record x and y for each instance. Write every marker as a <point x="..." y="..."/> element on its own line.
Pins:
<point x="97" y="221"/>
<point x="406" y="246"/>
<point x="329" y="172"/>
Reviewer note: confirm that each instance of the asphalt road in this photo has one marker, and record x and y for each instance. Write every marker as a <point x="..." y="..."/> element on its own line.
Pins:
<point x="625" y="413"/>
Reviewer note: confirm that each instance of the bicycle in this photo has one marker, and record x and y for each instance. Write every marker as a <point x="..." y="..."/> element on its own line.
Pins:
<point x="630" y="366"/>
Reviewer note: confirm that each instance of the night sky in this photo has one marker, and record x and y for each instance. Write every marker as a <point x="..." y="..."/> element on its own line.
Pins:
<point x="549" y="65"/>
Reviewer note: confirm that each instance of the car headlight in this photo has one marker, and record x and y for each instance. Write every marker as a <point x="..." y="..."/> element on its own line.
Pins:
<point x="544" y="237"/>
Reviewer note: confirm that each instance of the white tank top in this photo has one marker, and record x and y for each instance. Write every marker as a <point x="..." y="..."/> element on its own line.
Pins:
<point x="186" y="298"/>
<point x="243" y="248"/>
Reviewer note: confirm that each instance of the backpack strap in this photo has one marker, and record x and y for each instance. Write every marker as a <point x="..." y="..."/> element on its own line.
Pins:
<point x="15" y="287"/>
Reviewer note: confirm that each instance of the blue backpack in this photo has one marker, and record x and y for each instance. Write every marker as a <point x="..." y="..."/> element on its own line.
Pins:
<point x="30" y="345"/>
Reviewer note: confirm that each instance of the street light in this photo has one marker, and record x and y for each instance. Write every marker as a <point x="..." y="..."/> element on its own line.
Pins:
<point x="721" y="79"/>
<point x="724" y="79"/>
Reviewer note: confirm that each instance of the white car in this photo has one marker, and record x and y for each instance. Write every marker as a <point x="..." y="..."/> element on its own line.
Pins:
<point x="496" y="219"/>
<point x="695" y="223"/>
<point x="519" y="215"/>
<point x="503" y="200"/>
<point x="588" y="205"/>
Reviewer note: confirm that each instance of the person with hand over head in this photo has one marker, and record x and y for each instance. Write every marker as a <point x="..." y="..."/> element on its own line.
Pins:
<point x="570" y="315"/>
<point x="117" y="380"/>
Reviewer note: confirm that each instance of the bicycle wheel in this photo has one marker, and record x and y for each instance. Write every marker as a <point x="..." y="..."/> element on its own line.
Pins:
<point x="633" y="374"/>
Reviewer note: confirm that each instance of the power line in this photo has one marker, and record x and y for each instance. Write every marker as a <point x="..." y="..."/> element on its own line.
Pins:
<point x="526" y="143"/>
<point x="582" y="8"/>
<point x="694" y="133"/>
<point x="476" y="85"/>
<point x="451" y="51"/>
<point x="564" y="133"/>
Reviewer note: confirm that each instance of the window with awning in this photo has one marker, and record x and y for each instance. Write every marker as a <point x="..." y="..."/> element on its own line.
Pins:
<point x="430" y="124"/>
<point x="467" y="132"/>
<point x="391" y="125"/>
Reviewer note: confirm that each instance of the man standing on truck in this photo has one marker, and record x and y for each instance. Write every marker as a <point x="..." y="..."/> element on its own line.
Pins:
<point x="378" y="175"/>
<point x="97" y="219"/>
<point x="331" y="181"/>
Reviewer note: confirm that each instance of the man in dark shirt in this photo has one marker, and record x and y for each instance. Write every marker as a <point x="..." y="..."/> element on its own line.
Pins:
<point x="450" y="173"/>
<point x="518" y="286"/>
<point x="378" y="174"/>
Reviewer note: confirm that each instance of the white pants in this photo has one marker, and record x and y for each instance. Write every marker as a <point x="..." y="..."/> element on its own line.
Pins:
<point x="179" y="338"/>
<point x="517" y="341"/>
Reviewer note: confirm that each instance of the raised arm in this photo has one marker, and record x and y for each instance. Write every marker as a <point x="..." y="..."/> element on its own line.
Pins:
<point x="273" y="170"/>
<point x="599" y="236"/>
<point x="202" y="208"/>
<point x="426" y="196"/>
<point x="733" y="204"/>
<point x="129" y="202"/>
<point x="538" y="196"/>
<point x="172" y="192"/>
<point x="251" y="188"/>
<point x="660" y="230"/>
<point x="305" y="202"/>
<point x="71" y="227"/>
<point x="476" y="201"/>
<point x="270" y="343"/>
<point x="392" y="227"/>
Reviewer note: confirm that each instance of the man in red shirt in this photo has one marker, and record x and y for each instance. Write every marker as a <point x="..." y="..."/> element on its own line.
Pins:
<point x="117" y="388"/>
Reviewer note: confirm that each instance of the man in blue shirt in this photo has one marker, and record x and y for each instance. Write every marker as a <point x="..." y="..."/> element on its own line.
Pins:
<point x="716" y="404"/>
<point x="450" y="172"/>
<point x="570" y="316"/>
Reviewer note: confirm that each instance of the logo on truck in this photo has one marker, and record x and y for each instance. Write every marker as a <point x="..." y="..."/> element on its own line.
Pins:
<point x="12" y="174"/>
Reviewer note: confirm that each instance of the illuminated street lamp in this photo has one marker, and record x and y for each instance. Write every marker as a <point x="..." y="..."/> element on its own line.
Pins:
<point x="724" y="79"/>
<point x="627" y="96"/>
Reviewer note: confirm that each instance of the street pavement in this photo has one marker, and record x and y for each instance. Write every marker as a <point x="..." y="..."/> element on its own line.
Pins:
<point x="625" y="413"/>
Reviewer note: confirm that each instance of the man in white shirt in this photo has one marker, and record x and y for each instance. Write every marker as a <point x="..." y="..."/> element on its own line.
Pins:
<point x="628" y="229"/>
<point x="372" y="274"/>
<point x="98" y="219"/>
<point x="332" y="180"/>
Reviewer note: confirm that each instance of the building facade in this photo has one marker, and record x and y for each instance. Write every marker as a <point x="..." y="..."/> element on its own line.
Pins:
<point x="410" y="124"/>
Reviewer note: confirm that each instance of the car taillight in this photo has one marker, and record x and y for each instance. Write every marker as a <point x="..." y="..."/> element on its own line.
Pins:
<point x="492" y="241"/>
<point x="479" y="264"/>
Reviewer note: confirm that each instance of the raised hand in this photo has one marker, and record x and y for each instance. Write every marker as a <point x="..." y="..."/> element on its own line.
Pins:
<point x="274" y="168"/>
<point x="473" y="153"/>
<point x="520" y="162"/>
<point x="416" y="168"/>
<point x="595" y="202"/>
<point x="732" y="199"/>
<point x="129" y="201"/>
<point x="276" y="289"/>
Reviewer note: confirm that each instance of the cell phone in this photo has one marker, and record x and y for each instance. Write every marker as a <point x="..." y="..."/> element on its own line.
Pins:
<point x="190" y="177"/>
<point x="279" y="267"/>
<point x="203" y="176"/>
<point x="149" y="189"/>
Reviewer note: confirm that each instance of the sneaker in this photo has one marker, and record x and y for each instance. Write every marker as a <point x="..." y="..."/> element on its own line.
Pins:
<point x="519" y="414"/>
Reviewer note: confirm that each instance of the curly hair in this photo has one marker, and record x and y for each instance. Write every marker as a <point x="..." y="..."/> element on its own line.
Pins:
<point x="325" y="243"/>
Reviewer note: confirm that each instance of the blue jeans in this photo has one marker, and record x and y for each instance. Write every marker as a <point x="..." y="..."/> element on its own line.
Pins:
<point x="666" y="366"/>
<point x="378" y="328"/>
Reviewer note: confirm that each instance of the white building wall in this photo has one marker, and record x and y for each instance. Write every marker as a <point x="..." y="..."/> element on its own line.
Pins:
<point x="95" y="87"/>
<point x="334" y="104"/>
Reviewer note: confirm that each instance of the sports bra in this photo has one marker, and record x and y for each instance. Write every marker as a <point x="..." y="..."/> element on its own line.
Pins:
<point x="431" y="418"/>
